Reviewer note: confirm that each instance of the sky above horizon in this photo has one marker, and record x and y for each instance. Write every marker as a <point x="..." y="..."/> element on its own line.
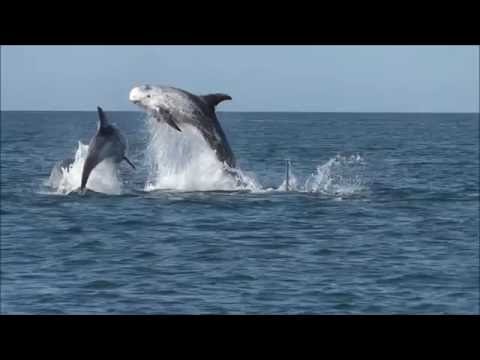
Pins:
<point x="259" y="78"/>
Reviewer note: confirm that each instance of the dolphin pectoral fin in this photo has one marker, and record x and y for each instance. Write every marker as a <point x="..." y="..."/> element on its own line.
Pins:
<point x="172" y="123"/>
<point x="129" y="162"/>
<point x="162" y="114"/>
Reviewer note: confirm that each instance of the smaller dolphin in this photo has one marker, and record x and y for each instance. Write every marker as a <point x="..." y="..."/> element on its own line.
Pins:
<point x="108" y="143"/>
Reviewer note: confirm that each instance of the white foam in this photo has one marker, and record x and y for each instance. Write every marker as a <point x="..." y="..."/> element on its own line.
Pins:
<point x="183" y="161"/>
<point x="340" y="175"/>
<point x="104" y="177"/>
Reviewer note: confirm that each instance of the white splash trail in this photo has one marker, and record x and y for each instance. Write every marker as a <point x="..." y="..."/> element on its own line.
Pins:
<point x="104" y="178"/>
<point x="184" y="161"/>
<point x="340" y="175"/>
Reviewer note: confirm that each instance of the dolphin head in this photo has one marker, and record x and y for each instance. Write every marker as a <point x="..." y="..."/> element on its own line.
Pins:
<point x="143" y="96"/>
<point x="164" y="103"/>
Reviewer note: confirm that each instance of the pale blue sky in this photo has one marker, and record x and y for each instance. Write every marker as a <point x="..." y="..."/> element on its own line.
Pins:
<point x="259" y="78"/>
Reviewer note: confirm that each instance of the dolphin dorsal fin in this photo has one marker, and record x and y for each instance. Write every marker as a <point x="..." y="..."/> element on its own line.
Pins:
<point x="102" y="118"/>
<point x="214" y="99"/>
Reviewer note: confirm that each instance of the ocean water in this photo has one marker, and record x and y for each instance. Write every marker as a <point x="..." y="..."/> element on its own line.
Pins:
<point x="381" y="216"/>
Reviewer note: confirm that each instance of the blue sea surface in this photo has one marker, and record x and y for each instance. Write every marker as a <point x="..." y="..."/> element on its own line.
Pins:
<point x="390" y="225"/>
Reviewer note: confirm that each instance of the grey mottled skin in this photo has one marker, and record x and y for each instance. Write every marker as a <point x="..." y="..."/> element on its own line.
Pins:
<point x="176" y="106"/>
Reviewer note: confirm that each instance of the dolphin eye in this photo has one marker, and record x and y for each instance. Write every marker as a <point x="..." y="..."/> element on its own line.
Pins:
<point x="148" y="95"/>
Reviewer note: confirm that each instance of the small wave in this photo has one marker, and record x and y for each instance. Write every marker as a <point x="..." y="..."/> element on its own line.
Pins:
<point x="102" y="284"/>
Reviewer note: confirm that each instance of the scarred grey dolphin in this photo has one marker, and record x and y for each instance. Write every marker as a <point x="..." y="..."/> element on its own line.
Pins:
<point x="108" y="143"/>
<point x="176" y="107"/>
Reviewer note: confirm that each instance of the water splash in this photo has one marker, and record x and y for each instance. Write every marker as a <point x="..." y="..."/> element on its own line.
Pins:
<point x="290" y="178"/>
<point x="183" y="161"/>
<point x="340" y="175"/>
<point x="104" y="178"/>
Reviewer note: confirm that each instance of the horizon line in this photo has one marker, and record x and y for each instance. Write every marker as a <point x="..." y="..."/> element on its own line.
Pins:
<point x="273" y="111"/>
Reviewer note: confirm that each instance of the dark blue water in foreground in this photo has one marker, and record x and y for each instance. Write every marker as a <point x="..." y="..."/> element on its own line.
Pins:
<point x="406" y="242"/>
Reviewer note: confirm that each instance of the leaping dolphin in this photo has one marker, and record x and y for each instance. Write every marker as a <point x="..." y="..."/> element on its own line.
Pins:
<point x="175" y="107"/>
<point x="108" y="143"/>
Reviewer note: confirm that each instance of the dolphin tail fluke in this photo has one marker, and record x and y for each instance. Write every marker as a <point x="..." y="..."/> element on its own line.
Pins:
<point x="129" y="162"/>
